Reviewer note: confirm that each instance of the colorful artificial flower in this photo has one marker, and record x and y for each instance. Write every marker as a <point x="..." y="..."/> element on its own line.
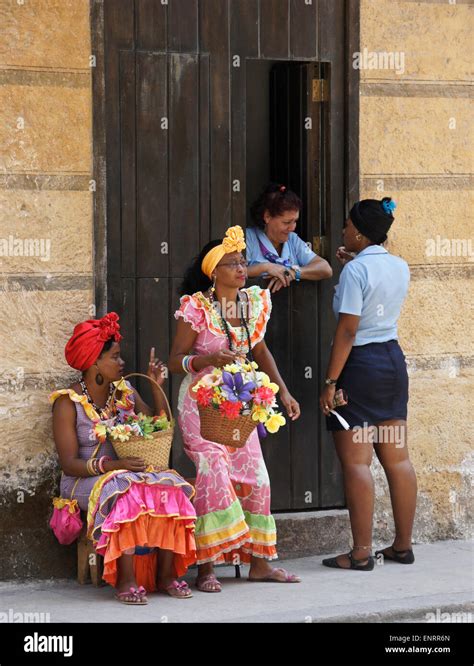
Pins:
<point x="230" y="409"/>
<point x="234" y="387"/>
<point x="100" y="431"/>
<point x="210" y="380"/>
<point x="259" y="413"/>
<point x="265" y="381"/>
<point x="204" y="396"/>
<point x="234" y="367"/>
<point x="140" y="425"/>
<point x="274" y="422"/>
<point x="120" y="432"/>
<point x="263" y="394"/>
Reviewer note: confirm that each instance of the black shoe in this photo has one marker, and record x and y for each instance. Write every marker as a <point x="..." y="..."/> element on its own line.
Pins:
<point x="356" y="565"/>
<point x="400" y="556"/>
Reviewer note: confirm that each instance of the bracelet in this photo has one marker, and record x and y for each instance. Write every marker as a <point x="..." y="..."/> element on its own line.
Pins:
<point x="92" y="467"/>
<point x="191" y="363"/>
<point x="101" y="463"/>
<point x="187" y="364"/>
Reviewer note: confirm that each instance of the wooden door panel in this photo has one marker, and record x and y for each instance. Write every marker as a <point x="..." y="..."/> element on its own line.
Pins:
<point x="213" y="22"/>
<point x="305" y="442"/>
<point x="180" y="460"/>
<point x="152" y="165"/>
<point x="128" y="151"/>
<point x="151" y="20"/>
<point x="183" y="26"/>
<point x="277" y="448"/>
<point x="274" y="29"/>
<point x="184" y="135"/>
<point x="303" y="29"/>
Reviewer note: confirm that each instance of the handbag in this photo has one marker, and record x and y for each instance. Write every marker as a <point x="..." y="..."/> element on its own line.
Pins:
<point x="66" y="521"/>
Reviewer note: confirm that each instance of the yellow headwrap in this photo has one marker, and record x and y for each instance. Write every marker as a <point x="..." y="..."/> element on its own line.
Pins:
<point x="234" y="241"/>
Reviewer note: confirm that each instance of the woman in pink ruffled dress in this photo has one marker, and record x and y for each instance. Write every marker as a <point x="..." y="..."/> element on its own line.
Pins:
<point x="220" y="320"/>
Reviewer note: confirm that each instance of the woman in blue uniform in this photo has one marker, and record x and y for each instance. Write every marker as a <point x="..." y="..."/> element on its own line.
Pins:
<point x="367" y="362"/>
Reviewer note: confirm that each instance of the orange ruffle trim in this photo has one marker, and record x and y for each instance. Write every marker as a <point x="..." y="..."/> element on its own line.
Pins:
<point x="167" y="533"/>
<point x="238" y="551"/>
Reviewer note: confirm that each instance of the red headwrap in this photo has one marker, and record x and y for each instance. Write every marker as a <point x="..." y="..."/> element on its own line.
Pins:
<point x="88" y="340"/>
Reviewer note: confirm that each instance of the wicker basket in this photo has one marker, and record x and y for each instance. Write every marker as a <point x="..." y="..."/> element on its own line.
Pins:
<point x="215" y="427"/>
<point x="154" y="450"/>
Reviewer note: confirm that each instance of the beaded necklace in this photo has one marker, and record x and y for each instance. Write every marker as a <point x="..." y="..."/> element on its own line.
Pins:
<point x="101" y="411"/>
<point x="225" y="325"/>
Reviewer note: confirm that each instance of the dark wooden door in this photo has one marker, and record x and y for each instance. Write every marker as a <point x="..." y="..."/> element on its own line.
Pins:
<point x="178" y="94"/>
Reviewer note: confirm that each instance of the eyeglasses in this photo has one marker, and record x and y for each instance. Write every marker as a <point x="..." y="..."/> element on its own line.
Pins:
<point x="235" y="264"/>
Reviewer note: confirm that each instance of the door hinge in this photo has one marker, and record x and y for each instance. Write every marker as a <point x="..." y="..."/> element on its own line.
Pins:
<point x="320" y="245"/>
<point x="320" y="90"/>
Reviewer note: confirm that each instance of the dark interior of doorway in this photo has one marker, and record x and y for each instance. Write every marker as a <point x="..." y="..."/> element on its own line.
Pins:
<point x="280" y="146"/>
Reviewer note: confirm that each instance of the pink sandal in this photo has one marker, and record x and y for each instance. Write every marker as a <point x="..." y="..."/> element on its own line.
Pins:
<point x="270" y="578"/>
<point x="135" y="597"/>
<point x="202" y="583"/>
<point x="177" y="590"/>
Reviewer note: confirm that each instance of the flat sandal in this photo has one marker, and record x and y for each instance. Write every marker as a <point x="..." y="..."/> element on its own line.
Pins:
<point x="398" y="556"/>
<point x="355" y="565"/>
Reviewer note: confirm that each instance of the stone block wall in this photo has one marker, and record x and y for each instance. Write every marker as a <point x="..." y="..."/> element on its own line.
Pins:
<point x="416" y="145"/>
<point x="46" y="262"/>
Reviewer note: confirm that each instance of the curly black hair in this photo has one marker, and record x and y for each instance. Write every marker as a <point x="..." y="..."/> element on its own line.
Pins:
<point x="275" y="198"/>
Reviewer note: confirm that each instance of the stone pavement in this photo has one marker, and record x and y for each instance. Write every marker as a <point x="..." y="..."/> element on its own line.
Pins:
<point x="437" y="587"/>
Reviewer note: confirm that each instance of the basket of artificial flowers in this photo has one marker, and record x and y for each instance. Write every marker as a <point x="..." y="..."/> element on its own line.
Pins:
<point x="233" y="401"/>
<point x="139" y="435"/>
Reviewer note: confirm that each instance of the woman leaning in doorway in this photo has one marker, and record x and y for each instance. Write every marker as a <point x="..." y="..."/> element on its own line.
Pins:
<point x="367" y="362"/>
<point x="274" y="250"/>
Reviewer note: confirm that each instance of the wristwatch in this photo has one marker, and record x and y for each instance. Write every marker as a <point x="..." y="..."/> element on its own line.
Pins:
<point x="330" y="382"/>
<point x="297" y="270"/>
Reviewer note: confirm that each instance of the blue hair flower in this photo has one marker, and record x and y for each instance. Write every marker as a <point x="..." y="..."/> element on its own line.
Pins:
<point x="389" y="206"/>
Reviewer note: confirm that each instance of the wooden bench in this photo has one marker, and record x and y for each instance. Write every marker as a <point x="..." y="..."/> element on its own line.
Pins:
<point x="90" y="565"/>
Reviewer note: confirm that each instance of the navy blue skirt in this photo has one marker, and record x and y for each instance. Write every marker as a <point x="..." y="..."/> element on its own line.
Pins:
<point x="375" y="379"/>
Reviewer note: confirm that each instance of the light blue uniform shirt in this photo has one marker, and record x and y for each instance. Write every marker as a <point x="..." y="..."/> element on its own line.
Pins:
<point x="294" y="249"/>
<point x="373" y="286"/>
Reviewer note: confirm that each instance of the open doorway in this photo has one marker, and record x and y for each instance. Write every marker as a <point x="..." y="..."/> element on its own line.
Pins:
<point x="287" y="142"/>
<point x="287" y="139"/>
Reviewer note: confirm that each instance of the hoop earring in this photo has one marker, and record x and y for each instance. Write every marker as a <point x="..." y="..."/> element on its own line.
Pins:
<point x="98" y="378"/>
<point x="358" y="237"/>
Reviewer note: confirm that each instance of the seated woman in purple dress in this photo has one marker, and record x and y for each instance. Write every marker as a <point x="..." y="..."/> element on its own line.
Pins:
<point x="128" y="507"/>
<point x="274" y="250"/>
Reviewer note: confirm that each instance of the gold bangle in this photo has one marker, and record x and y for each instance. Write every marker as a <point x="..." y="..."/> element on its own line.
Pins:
<point x="91" y="467"/>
